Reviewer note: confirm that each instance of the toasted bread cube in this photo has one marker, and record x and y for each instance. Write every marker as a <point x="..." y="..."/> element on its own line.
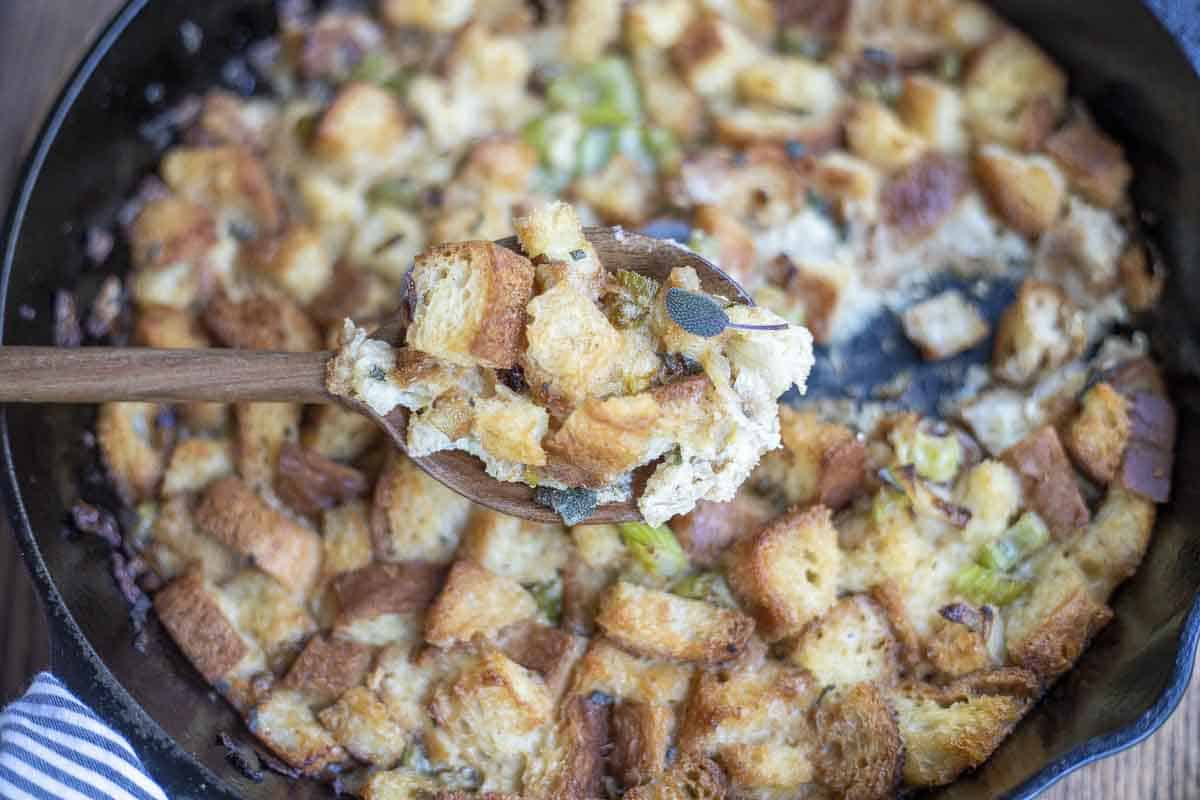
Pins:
<point x="745" y="707"/>
<point x="1049" y="627"/>
<point x="337" y="433"/>
<point x="229" y="180"/>
<point x="414" y="517"/>
<point x="819" y="461"/>
<point x="657" y="24"/>
<point x="346" y="535"/>
<point x="641" y="736"/>
<point x="191" y="612"/>
<point x="954" y="649"/>
<point x="327" y="667"/>
<point x="285" y="550"/>
<point x="264" y="320"/>
<point x="296" y="261"/>
<point x="745" y="126"/>
<point x="166" y="327"/>
<point x="360" y="723"/>
<point x="490" y="718"/>
<point x="688" y="778"/>
<point x="550" y="652"/>
<point x="934" y="110"/>
<point x="1112" y="546"/>
<point x="734" y="243"/>
<point x="1013" y="92"/>
<point x="527" y="552"/>
<point x="335" y="207"/>
<point x="227" y="119"/>
<point x="176" y="545"/>
<point x="195" y="463"/>
<point x="592" y="26"/>
<point x="944" y="325"/>
<point x="668" y="101"/>
<point x="1141" y="278"/>
<point x="794" y="84"/>
<point x="263" y="429"/>
<point x="1039" y="332"/>
<point x="788" y="571"/>
<point x="1094" y="163"/>
<point x="875" y="134"/>
<point x="128" y="434"/>
<point x="1026" y="191"/>
<point x="603" y="439"/>
<point x="711" y="52"/>
<point x="263" y="608"/>
<point x="851" y="182"/>
<point x="387" y="242"/>
<point x="1049" y="480"/>
<point x="470" y="303"/>
<point x="609" y="669"/>
<point x="179" y="285"/>
<point x="851" y="643"/>
<point x="552" y="233"/>
<point x="767" y="766"/>
<point x="511" y="427"/>
<point x="710" y="528"/>
<point x="1096" y="438"/>
<point x="571" y="764"/>
<point x="571" y="342"/>
<point x="622" y="192"/>
<point x="992" y="493"/>
<point x="924" y="196"/>
<point x="662" y="625"/>
<point x="861" y="756"/>
<point x="969" y="24"/>
<point x="439" y="16"/>
<point x="942" y="740"/>
<point x="476" y="602"/>
<point x="363" y="124"/>
<point x="401" y="784"/>
<point x="285" y="723"/>
<point x="170" y="231"/>
<point x="379" y="590"/>
<point x="1083" y="252"/>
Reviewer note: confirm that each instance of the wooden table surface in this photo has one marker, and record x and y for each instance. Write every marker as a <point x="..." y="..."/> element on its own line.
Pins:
<point x="40" y="41"/>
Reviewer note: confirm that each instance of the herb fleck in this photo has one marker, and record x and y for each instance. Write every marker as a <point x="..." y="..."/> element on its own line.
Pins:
<point x="377" y="373"/>
<point x="699" y="314"/>
<point x="578" y="255"/>
<point x="573" y="505"/>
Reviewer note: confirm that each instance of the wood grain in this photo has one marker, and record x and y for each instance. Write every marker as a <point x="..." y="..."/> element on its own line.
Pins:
<point x="39" y="41"/>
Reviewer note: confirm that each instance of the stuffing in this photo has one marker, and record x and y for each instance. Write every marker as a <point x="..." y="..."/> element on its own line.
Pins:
<point x="1039" y="332"/>
<point x="174" y="231"/>
<point x="378" y="590"/>
<point x="550" y="652"/>
<point x="337" y="433"/>
<point x="657" y="24"/>
<point x="527" y="552"/>
<point x="196" y="462"/>
<point x="709" y="529"/>
<point x="688" y="778"/>
<point x="918" y="200"/>
<point x="609" y="669"/>
<point x="710" y="53"/>
<point x="387" y="241"/>
<point x="794" y="84"/>
<point x="669" y="102"/>
<point x="1097" y="436"/>
<point x="861" y="754"/>
<point x="592" y="25"/>
<point x="231" y="512"/>
<point x="295" y="260"/>
<point x="1111" y="547"/>
<point x="262" y="431"/>
<point x="787" y="572"/>
<point x="191" y="612"/>
<point x="746" y="126"/>
<point x="875" y="134"/>
<point x="176" y="545"/>
<point x="733" y="242"/>
<point x="1027" y="191"/>
<point x="285" y="723"/>
<point x="361" y="127"/>
<point x="603" y="439"/>
<point x="851" y="643"/>
<point x="657" y="624"/>
<point x="327" y="667"/>
<point x="641" y="737"/>
<point x="266" y="610"/>
<point x="346" y="535"/>
<point x="415" y="517"/>
<point x="263" y="320"/>
<point x="934" y="110"/>
<point x="1051" y="487"/>
<point x="1094" y="164"/>
<point x="1013" y="92"/>
<point x="1083" y="252"/>
<point x="571" y="343"/>
<point x="230" y="181"/>
<point x="1150" y="456"/>
<point x="553" y="234"/>
<point x="571" y="764"/>
<point x="954" y="647"/>
<point x="132" y="446"/>
<point x="360" y="723"/>
<point x="1141" y="278"/>
<point x="944" y="325"/>
<point x="432" y="15"/>
<point x="622" y="192"/>
<point x="819" y="462"/>
<point x="475" y="602"/>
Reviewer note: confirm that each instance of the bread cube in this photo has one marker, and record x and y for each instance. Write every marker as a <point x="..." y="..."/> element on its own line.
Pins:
<point x="592" y="26"/>
<point x="609" y="669"/>
<point x="954" y="648"/>
<point x="360" y="723"/>
<point x="1094" y="164"/>
<point x="230" y="181"/>
<point x="192" y="614"/>
<point x="413" y="516"/>
<point x="1026" y="191"/>
<point x="332" y="205"/>
<point x="918" y="200"/>
<point x="793" y="84"/>
<point x="550" y="652"/>
<point x="745" y="126"/>
<point x="176" y="545"/>
<point x="969" y="24"/>
<point x="851" y="643"/>
<point x="734" y="247"/>
<point x="934" y="110"/>
<point x="362" y="125"/>
<point x="401" y="784"/>
<point x="1049" y="480"/>
<point x="131" y="447"/>
<point x="1013" y="92"/>
<point x="1082" y="252"/>
<point x="346" y="535"/>
<point x="439" y="16"/>
<point x="285" y="724"/>
<point x="553" y="234"/>
<point x="571" y="343"/>
<point x="746" y="707"/>
<point x="688" y="778"/>
<point x="861" y="754"/>
<point x="942" y="740"/>
<point x="285" y="550"/>
<point x="819" y="461"/>
<point x="167" y="327"/>
<point x="476" y="602"/>
<point x="387" y="242"/>
<point x="603" y="439"/>
<point x="263" y="320"/>
<point x="788" y="571"/>
<point x="851" y="182"/>
<point x="571" y="764"/>
<point x="658" y="624"/>
<point x="262" y="431"/>
<point x="338" y="433"/>
<point x="1112" y="546"/>
<point x="710" y="528"/>
<point x="657" y="24"/>
<point x="227" y="119"/>
<point x="1039" y="332"/>
<point x="296" y="261"/>
<point x="1097" y="436"/>
<point x="944" y="325"/>
<point x="195" y="463"/>
<point x="327" y="667"/>
<point x="172" y="230"/>
<point x="262" y="607"/>
<point x="711" y="52"/>
<point x="386" y="589"/>
<point x="1141" y="278"/>
<point x="641" y="736"/>
<point x="622" y="192"/>
<point x="667" y="100"/>
<point x="875" y="134"/>
<point x="527" y="552"/>
<point x="470" y="303"/>
<point x="490" y="718"/>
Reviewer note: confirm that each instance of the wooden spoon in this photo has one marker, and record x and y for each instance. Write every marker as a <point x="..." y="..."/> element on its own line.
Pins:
<point x="104" y="374"/>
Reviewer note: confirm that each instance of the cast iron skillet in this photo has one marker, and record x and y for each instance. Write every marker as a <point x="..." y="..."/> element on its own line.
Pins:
<point x="90" y="155"/>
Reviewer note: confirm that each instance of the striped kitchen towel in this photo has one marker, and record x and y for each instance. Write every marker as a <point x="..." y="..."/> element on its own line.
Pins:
<point x="52" y="747"/>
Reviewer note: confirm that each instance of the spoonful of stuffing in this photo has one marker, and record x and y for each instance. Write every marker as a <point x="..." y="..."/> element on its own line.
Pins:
<point x="583" y="375"/>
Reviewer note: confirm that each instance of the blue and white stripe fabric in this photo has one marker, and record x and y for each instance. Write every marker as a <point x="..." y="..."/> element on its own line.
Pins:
<point x="53" y="747"/>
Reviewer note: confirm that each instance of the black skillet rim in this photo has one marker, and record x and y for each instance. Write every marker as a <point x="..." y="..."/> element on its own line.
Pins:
<point x="69" y="646"/>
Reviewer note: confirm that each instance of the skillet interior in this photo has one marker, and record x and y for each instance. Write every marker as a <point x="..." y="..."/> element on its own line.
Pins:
<point x="1136" y="81"/>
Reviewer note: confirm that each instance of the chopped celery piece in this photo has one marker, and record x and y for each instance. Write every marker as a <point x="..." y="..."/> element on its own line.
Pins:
<point x="399" y="192"/>
<point x="663" y="147"/>
<point x="603" y="93"/>
<point x="306" y="127"/>
<point x="556" y="139"/>
<point x="655" y="550"/>
<point x="595" y="149"/>
<point x="632" y="299"/>
<point x="707" y="586"/>
<point x="641" y="289"/>
<point x="802" y="43"/>
<point x="936" y="458"/>
<point x="982" y="585"/>
<point x="705" y="245"/>
<point x="889" y="507"/>
<point x="549" y="597"/>
<point x="949" y="66"/>
<point x="1027" y="535"/>
<point x="374" y="68"/>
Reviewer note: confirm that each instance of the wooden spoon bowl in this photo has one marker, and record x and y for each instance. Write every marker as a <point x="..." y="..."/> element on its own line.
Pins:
<point x="105" y="374"/>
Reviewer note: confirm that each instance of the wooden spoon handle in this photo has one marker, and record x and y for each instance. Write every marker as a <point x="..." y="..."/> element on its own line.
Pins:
<point x="101" y="374"/>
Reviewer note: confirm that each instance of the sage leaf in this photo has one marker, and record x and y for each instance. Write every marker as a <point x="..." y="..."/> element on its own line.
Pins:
<point x="700" y="315"/>
<point x="573" y="505"/>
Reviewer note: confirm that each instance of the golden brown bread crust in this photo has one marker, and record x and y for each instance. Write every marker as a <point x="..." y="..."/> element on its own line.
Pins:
<point x="226" y="178"/>
<point x="1049" y="481"/>
<point x="285" y="550"/>
<point x="327" y="667"/>
<point x="387" y="589"/>
<point x="583" y="741"/>
<point x="1026" y="191"/>
<point x="860" y="755"/>
<point x="1094" y="163"/>
<point x="708" y="529"/>
<point x="602" y="439"/>
<point x="475" y="602"/>
<point x="1061" y="637"/>
<point x="170" y="230"/>
<point x="1096" y="437"/>
<point x="261" y="321"/>
<point x="641" y="736"/>
<point x="190" y="613"/>
<point x="550" y="652"/>
<point x="498" y="344"/>
<point x="689" y="777"/>
<point x="310" y="483"/>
